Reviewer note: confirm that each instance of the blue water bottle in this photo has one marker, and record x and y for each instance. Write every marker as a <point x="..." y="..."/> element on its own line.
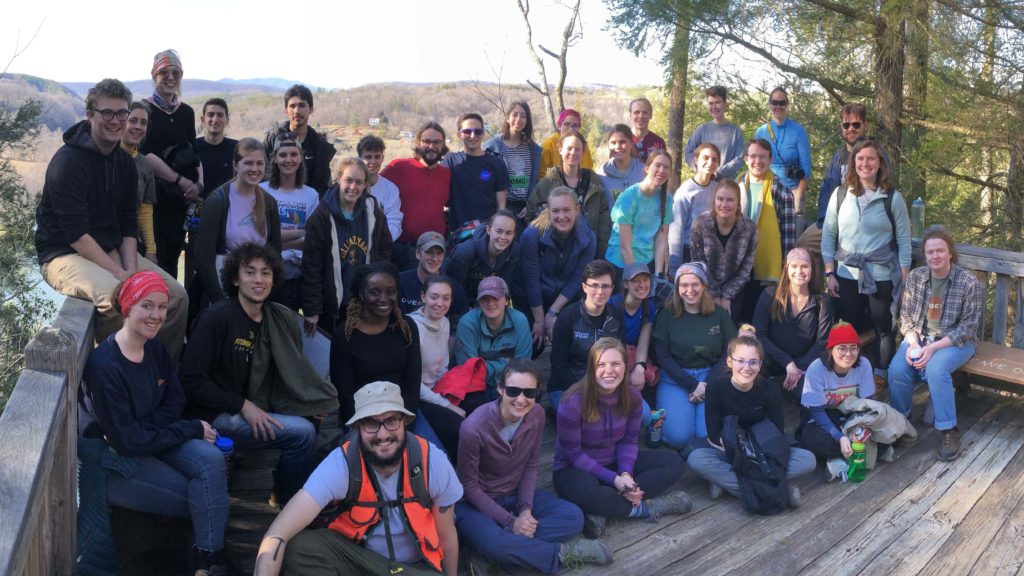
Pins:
<point x="227" y="449"/>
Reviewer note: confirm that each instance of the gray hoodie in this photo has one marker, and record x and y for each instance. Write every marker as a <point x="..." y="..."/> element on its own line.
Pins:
<point x="615" y="181"/>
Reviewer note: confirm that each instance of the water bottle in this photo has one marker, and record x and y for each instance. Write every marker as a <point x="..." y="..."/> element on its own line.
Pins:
<point x="654" y="430"/>
<point x="857" y="464"/>
<point x="227" y="449"/>
<point x="915" y="355"/>
<point x="917" y="219"/>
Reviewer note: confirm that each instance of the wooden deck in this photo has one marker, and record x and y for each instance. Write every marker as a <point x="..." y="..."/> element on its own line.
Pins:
<point x="914" y="516"/>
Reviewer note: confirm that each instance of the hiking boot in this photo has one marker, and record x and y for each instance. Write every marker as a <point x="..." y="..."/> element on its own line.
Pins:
<point x="677" y="502"/>
<point x="715" y="491"/>
<point x="837" y="468"/>
<point x="579" y="551"/>
<point x="594" y="525"/>
<point x="794" y="496"/>
<point x="950" y="446"/>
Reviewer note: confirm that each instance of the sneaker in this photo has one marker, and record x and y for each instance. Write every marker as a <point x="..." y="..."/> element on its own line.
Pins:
<point x="794" y="496"/>
<point x="579" y="551"/>
<point x="715" y="491"/>
<point x="837" y="468"/>
<point x="209" y="564"/>
<point x="594" y="525"/>
<point x="950" y="446"/>
<point x="677" y="502"/>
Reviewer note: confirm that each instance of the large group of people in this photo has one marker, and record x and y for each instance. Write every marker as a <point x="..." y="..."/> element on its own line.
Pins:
<point x="439" y="280"/>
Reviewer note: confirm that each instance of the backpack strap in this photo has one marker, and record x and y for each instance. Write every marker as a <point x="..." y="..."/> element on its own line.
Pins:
<point x="886" y="202"/>
<point x="418" y="464"/>
<point x="354" y="462"/>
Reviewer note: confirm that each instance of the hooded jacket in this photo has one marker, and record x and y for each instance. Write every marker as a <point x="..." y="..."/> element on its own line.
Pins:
<point x="335" y="246"/>
<point x="318" y="173"/>
<point x="615" y="181"/>
<point x="546" y="272"/>
<point x="86" y="192"/>
<point x="211" y="240"/>
<point x="469" y="264"/>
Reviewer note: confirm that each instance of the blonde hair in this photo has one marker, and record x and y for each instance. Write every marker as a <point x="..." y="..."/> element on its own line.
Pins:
<point x="245" y="147"/>
<point x="543" y="220"/>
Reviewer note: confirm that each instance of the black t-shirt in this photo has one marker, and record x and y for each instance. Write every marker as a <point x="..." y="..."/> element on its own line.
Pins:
<point x="217" y="162"/>
<point x="215" y="368"/>
<point x="723" y="238"/>
<point x="166" y="130"/>
<point x="723" y="399"/>
<point x="366" y="358"/>
<point x="410" y="292"/>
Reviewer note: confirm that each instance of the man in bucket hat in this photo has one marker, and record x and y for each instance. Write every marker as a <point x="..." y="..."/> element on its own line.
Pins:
<point x="396" y="516"/>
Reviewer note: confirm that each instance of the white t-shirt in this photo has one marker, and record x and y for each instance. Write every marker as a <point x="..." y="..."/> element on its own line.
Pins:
<point x="386" y="192"/>
<point x="294" y="208"/>
<point x="330" y="482"/>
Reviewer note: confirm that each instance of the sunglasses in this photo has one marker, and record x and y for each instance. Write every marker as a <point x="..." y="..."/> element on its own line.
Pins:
<point x="515" y="391"/>
<point x="848" y="125"/>
<point x="472" y="131"/>
<point x="779" y="103"/>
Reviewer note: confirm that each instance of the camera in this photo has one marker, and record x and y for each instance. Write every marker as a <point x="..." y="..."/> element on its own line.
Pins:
<point x="795" y="172"/>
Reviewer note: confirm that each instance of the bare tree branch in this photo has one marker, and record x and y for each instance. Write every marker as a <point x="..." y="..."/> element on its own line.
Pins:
<point x="845" y="10"/>
<point x="524" y="9"/>
<point x="19" y="49"/>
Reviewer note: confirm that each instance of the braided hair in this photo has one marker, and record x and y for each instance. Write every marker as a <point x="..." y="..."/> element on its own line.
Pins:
<point x="356" y="306"/>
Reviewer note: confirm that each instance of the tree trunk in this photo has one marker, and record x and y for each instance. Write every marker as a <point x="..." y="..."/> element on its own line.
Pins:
<point x="915" y="183"/>
<point x="543" y="90"/>
<point x="679" y="64"/>
<point x="986" y="82"/>
<point x="889" y="64"/>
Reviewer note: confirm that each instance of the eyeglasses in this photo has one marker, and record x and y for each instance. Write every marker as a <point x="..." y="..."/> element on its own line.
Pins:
<point x="779" y="103"/>
<point x="472" y="131"/>
<point x="109" y="115"/>
<point x="599" y="286"/>
<point x="169" y="72"/>
<point x="757" y="157"/>
<point x="570" y="125"/>
<point x="744" y="363"/>
<point x="848" y="125"/>
<point x="848" y="350"/>
<point x="431" y="142"/>
<point x="515" y="391"/>
<point x="371" y="426"/>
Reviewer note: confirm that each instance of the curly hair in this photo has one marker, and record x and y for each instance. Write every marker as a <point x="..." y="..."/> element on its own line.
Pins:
<point x="356" y="310"/>
<point x="242" y="255"/>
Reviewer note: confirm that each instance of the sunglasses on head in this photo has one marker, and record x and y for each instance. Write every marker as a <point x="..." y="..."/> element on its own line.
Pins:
<point x="848" y="125"/>
<point x="515" y="391"/>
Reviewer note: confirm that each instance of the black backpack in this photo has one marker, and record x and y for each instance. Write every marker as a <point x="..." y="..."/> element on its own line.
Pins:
<point x="759" y="456"/>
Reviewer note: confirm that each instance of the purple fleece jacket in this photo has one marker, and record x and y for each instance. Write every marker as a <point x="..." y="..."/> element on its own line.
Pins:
<point x="593" y="446"/>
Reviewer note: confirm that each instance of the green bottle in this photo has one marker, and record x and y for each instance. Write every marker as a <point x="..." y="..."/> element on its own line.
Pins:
<point x="857" y="465"/>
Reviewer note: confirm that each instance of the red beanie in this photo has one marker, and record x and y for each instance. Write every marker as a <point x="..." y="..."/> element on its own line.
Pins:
<point x="842" y="333"/>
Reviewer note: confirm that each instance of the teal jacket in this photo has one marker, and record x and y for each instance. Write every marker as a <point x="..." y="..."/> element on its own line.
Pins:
<point x="474" y="339"/>
<point x="858" y="231"/>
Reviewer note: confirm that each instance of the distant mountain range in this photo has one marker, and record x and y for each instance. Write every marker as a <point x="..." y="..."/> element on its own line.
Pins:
<point x="194" y="87"/>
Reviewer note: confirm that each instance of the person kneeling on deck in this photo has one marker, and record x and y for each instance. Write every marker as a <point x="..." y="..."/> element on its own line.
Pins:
<point x="939" y="320"/>
<point x="504" y="516"/>
<point x="243" y="370"/>
<point x="86" y="225"/>
<point x="598" y="465"/>
<point x="395" y="514"/>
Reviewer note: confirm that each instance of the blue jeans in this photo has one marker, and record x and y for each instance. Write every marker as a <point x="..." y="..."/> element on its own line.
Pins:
<point x="187" y="481"/>
<point x="684" y="420"/>
<point x="296" y="442"/>
<point x="557" y="521"/>
<point x="939" y="373"/>
<point x="554" y="397"/>
<point x="710" y="464"/>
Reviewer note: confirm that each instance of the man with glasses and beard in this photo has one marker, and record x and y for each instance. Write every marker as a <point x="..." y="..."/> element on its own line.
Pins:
<point x="423" y="187"/>
<point x="395" y="517"/>
<point x="853" y="126"/>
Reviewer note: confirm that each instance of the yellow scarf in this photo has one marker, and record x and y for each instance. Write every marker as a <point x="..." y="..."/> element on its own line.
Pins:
<point x="768" y="256"/>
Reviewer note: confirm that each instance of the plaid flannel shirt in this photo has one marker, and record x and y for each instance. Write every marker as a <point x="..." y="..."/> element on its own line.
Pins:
<point x="961" y="310"/>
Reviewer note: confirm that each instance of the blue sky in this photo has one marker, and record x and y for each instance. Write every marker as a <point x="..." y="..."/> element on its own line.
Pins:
<point x="339" y="43"/>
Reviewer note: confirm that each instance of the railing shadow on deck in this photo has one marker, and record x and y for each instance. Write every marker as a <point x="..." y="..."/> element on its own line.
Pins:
<point x="38" y="439"/>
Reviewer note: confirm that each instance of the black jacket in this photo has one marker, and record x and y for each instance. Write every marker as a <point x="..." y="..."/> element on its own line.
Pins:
<point x="574" y="333"/>
<point x="759" y="456"/>
<point x="86" y="192"/>
<point x="469" y="264"/>
<point x="318" y="168"/>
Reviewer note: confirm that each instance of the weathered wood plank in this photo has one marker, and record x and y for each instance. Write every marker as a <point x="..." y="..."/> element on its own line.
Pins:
<point x="1000" y="306"/>
<point x="991" y="260"/>
<point x="34" y="416"/>
<point x="926" y="537"/>
<point x="874" y="536"/>
<point x="982" y="322"/>
<point x="997" y="362"/>
<point x="1004" y="555"/>
<point x="972" y="536"/>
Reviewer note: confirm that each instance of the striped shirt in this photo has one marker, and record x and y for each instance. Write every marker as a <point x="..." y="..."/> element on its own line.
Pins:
<point x="518" y="162"/>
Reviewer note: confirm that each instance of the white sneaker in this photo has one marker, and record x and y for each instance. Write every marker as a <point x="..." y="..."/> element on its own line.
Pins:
<point x="837" y="468"/>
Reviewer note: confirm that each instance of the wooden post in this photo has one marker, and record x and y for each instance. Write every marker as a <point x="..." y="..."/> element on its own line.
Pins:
<point x="56" y="350"/>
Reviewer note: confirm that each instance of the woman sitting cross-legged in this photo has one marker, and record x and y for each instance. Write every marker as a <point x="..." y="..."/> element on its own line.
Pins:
<point x="158" y="462"/>
<point x="504" y="516"/>
<point x="752" y="399"/>
<point x="842" y="373"/>
<point x="690" y="337"/>
<point x="597" y="463"/>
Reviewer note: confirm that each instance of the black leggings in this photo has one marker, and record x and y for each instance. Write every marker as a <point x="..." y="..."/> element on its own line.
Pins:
<point x="655" y="472"/>
<point x="815" y="438"/>
<point x="866" y="311"/>
<point x="168" y="228"/>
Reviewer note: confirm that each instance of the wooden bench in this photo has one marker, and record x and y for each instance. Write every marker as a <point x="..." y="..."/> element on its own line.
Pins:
<point x="999" y="360"/>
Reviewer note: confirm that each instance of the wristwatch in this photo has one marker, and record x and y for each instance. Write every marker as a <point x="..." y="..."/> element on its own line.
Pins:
<point x="553" y="313"/>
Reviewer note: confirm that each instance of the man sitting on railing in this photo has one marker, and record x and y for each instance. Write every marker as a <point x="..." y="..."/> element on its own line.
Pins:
<point x="243" y="370"/>
<point x="85" y="224"/>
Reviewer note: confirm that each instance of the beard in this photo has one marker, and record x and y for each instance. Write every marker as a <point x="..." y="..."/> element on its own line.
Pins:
<point x="375" y="461"/>
<point x="428" y="156"/>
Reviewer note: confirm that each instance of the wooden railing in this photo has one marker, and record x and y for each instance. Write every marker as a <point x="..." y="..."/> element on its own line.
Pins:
<point x="38" y="439"/>
<point x="1008" y="271"/>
